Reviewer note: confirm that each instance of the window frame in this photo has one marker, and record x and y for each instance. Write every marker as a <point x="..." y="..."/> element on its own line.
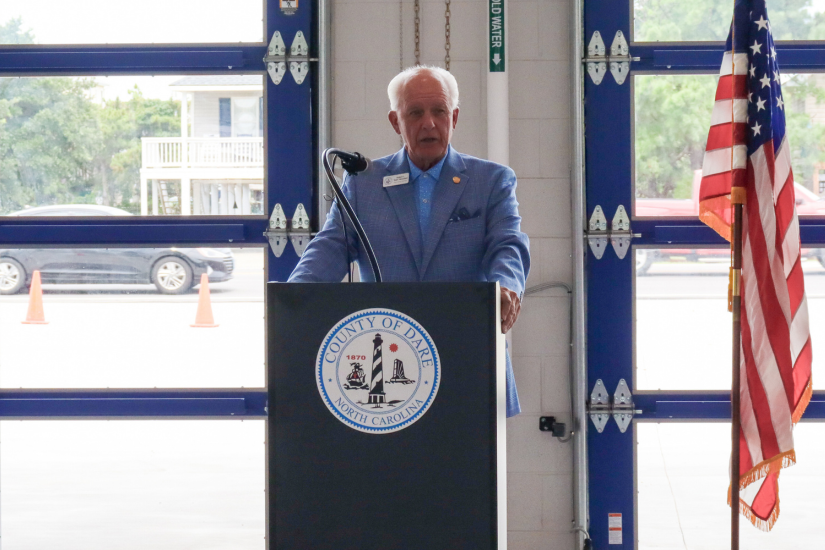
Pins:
<point x="290" y="137"/>
<point x="610" y="282"/>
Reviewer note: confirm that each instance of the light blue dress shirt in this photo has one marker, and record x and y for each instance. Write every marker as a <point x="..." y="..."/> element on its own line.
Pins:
<point x="424" y="183"/>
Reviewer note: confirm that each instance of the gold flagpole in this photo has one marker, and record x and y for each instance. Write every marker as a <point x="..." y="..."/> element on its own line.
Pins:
<point x="737" y="196"/>
<point x="736" y="302"/>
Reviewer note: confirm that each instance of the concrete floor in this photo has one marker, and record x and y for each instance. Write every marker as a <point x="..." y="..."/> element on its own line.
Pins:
<point x="682" y="479"/>
<point x="683" y="333"/>
<point x="134" y="484"/>
<point x="181" y="484"/>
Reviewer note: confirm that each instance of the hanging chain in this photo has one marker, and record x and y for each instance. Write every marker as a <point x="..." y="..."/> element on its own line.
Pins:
<point x="447" y="35"/>
<point x="417" y="33"/>
<point x="400" y="35"/>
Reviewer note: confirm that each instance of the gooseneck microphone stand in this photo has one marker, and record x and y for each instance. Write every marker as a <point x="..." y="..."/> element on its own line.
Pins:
<point x="357" y="163"/>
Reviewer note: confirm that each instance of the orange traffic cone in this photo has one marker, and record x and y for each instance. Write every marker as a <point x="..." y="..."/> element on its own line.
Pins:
<point x="35" y="315"/>
<point x="204" y="317"/>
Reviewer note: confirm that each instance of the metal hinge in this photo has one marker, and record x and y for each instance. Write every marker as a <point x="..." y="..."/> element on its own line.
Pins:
<point x="282" y="230"/>
<point x="297" y="58"/>
<point x="621" y="407"/>
<point x="619" y="233"/>
<point x="618" y="60"/>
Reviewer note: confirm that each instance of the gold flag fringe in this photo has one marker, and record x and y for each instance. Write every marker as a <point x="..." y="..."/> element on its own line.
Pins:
<point x="761" y="524"/>
<point x="708" y="215"/>
<point x="774" y="464"/>
<point x="804" y="399"/>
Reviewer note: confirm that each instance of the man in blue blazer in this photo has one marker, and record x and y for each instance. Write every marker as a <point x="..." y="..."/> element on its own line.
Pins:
<point x="430" y="212"/>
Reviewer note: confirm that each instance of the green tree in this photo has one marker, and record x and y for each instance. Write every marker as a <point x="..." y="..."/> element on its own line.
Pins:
<point x="709" y="20"/>
<point x="672" y="121"/>
<point x="59" y="144"/>
<point x="12" y="33"/>
<point x="672" y="113"/>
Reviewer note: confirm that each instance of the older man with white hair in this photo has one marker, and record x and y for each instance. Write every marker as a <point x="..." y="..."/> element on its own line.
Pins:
<point x="431" y="213"/>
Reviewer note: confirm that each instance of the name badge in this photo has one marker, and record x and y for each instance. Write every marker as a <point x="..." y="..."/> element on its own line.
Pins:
<point x="398" y="179"/>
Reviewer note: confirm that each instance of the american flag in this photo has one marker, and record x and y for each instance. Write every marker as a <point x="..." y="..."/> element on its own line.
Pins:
<point x="748" y="152"/>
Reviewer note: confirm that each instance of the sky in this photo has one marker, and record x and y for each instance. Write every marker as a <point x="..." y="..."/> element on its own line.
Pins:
<point x="146" y="22"/>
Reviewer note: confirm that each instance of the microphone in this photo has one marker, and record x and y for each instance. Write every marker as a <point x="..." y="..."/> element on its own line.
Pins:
<point x="353" y="162"/>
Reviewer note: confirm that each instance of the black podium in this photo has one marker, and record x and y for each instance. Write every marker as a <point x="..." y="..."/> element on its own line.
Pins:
<point x="386" y="417"/>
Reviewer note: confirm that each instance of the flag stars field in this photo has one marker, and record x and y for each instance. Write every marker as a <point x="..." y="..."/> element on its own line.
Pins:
<point x="757" y="47"/>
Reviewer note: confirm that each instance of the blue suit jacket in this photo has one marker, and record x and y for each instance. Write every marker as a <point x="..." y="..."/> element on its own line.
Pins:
<point x="474" y="232"/>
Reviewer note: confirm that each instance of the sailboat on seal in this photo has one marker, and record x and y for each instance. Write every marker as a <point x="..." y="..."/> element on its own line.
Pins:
<point x="356" y="380"/>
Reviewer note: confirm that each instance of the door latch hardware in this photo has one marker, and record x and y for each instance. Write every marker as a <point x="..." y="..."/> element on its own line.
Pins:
<point x="597" y="232"/>
<point x="282" y="230"/>
<point x="618" y="59"/>
<point x="299" y="236"/>
<point x="297" y="58"/>
<point x="549" y="424"/>
<point x="621" y="407"/>
<point x="618" y="234"/>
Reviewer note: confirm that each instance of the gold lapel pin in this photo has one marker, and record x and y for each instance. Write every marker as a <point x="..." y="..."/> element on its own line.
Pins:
<point x="456" y="179"/>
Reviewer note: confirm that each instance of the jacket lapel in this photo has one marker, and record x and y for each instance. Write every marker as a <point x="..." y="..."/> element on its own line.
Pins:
<point x="403" y="199"/>
<point x="445" y="198"/>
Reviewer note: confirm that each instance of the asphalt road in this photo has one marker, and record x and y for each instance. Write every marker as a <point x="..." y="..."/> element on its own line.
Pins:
<point x="683" y="328"/>
<point x="709" y="278"/>
<point x="247" y="284"/>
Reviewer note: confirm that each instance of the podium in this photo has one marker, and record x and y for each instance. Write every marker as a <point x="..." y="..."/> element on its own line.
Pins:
<point x="386" y="413"/>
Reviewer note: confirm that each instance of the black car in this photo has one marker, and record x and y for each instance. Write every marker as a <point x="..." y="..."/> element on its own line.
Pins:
<point x="171" y="270"/>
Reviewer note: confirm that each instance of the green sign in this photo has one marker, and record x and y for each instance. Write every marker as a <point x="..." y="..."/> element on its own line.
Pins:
<point x="496" y="15"/>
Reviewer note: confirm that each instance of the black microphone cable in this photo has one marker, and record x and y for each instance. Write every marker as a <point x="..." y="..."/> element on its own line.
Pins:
<point x="353" y="163"/>
<point x="344" y="225"/>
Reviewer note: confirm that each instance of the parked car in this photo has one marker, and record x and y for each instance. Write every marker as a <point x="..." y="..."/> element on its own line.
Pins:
<point x="171" y="270"/>
<point x="807" y="204"/>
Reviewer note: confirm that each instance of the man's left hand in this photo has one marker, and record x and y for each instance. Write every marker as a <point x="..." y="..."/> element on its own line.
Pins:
<point x="510" y="308"/>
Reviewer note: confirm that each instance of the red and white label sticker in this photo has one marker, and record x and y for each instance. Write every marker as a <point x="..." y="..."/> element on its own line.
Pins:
<point x="614" y="528"/>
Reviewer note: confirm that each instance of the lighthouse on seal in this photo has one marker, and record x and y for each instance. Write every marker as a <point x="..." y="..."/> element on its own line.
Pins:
<point x="377" y="395"/>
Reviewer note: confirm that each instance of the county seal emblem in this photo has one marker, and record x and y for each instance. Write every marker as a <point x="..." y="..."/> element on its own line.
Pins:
<point x="378" y="371"/>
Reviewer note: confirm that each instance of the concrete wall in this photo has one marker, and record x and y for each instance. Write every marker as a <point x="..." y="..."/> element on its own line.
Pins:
<point x="367" y="54"/>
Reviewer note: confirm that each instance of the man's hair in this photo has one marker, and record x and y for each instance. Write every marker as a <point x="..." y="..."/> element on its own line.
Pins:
<point x="397" y="84"/>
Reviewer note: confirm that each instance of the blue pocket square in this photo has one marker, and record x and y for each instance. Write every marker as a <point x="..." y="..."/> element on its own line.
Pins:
<point x="462" y="214"/>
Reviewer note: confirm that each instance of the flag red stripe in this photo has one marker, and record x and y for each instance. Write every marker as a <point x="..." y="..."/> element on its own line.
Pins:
<point x="761" y="407"/>
<point x="717" y="185"/>
<point x="802" y="372"/>
<point x="795" y="289"/>
<point x="765" y="500"/>
<point x="732" y="86"/>
<point x="722" y="136"/>
<point x="785" y="206"/>
<point x="745" y="459"/>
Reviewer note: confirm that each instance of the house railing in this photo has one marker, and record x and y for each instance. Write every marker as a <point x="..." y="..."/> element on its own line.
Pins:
<point x="168" y="152"/>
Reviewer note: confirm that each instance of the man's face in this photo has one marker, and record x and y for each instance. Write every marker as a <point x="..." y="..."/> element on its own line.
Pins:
<point x="424" y="119"/>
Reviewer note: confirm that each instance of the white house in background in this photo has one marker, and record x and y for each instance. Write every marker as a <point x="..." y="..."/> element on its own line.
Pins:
<point x="219" y="157"/>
